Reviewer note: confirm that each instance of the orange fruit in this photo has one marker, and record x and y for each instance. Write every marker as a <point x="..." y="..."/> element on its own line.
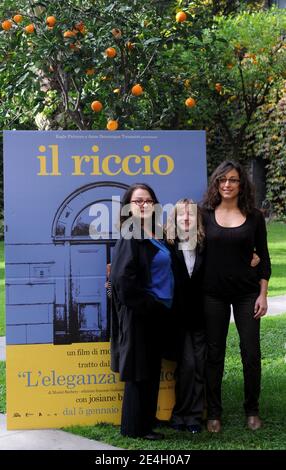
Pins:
<point x="90" y="71"/>
<point x="69" y="34"/>
<point x="6" y="25"/>
<point x="18" y="18"/>
<point x="229" y="66"/>
<point x="137" y="90"/>
<point x="80" y="27"/>
<point x="75" y="46"/>
<point x="181" y="16"/>
<point x="51" y="21"/>
<point x="110" y="52"/>
<point x="112" y="125"/>
<point x="190" y="102"/>
<point x="96" y="106"/>
<point x="116" y="33"/>
<point x="30" y="28"/>
<point x="218" y="87"/>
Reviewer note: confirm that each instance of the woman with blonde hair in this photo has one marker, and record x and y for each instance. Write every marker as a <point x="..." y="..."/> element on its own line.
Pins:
<point x="185" y="235"/>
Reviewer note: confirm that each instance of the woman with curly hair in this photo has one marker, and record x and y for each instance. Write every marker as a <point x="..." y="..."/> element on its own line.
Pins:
<point x="234" y="229"/>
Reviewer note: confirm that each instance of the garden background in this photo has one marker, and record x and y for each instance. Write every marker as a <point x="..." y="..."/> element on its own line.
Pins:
<point x="161" y="64"/>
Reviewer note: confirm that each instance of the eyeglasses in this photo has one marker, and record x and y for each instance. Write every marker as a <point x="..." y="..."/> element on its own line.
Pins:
<point x="141" y="202"/>
<point x="224" y="180"/>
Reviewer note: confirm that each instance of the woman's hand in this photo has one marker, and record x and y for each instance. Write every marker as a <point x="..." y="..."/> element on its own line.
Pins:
<point x="255" y="260"/>
<point x="260" y="307"/>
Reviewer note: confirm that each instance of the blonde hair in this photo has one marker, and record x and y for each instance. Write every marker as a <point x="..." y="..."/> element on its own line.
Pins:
<point x="171" y="225"/>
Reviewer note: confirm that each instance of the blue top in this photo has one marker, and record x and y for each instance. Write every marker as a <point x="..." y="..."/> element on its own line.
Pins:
<point x="162" y="278"/>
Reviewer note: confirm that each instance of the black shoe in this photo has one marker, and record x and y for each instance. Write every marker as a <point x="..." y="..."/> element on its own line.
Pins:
<point x="178" y="427"/>
<point x="194" y="428"/>
<point x="153" y="436"/>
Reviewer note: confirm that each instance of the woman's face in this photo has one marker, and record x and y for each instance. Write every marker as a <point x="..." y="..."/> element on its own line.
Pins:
<point x="142" y="204"/>
<point x="229" y="185"/>
<point x="186" y="219"/>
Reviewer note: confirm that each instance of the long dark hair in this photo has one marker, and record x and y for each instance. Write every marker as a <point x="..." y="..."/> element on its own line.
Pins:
<point x="246" y="189"/>
<point x="126" y="199"/>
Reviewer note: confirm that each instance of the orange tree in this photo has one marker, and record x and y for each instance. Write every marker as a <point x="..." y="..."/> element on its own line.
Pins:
<point x="231" y="72"/>
<point x="152" y="64"/>
<point x="76" y="65"/>
<point x="57" y="60"/>
<point x="85" y="64"/>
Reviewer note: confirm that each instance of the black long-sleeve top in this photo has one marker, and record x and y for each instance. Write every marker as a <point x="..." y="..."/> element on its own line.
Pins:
<point x="228" y="254"/>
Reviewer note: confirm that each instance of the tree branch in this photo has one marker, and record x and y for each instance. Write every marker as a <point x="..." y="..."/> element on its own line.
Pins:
<point x="243" y="89"/>
<point x="64" y="89"/>
<point x="226" y="127"/>
<point x="148" y="64"/>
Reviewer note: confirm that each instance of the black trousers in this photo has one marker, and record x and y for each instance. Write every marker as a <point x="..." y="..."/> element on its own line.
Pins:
<point x="189" y="388"/>
<point x="140" y="398"/>
<point x="217" y="317"/>
<point x="139" y="405"/>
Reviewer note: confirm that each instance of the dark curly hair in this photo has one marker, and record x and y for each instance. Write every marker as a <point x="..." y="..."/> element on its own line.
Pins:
<point x="212" y="197"/>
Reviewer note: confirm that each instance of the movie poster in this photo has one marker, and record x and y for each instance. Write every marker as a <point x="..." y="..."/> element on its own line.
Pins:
<point x="62" y="203"/>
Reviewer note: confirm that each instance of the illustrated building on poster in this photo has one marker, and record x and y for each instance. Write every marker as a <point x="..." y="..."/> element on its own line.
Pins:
<point x="56" y="293"/>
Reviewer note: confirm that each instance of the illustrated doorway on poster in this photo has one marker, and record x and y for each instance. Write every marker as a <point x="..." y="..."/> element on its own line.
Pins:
<point x="82" y="307"/>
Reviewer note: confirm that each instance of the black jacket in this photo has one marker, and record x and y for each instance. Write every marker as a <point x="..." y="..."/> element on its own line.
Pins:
<point x="138" y="321"/>
<point x="189" y="293"/>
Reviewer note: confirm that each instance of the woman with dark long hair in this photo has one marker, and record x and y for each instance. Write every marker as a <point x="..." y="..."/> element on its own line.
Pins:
<point x="234" y="229"/>
<point x="142" y="295"/>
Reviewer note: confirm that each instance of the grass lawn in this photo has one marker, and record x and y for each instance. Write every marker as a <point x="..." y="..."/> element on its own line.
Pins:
<point x="277" y="247"/>
<point x="234" y="435"/>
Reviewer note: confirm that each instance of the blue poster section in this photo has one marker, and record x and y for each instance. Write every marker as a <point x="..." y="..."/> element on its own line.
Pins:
<point x="61" y="189"/>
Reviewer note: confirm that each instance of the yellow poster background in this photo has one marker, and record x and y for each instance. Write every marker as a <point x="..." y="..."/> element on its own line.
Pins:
<point x="57" y="386"/>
